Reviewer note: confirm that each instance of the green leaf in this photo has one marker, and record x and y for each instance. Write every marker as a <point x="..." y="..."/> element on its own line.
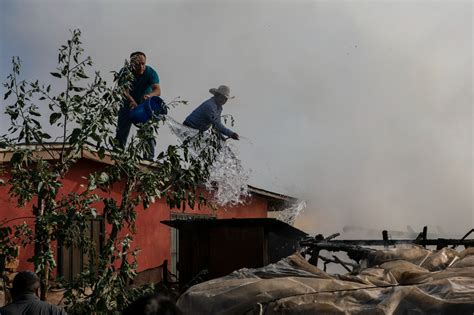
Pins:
<point x="16" y="157"/>
<point x="101" y="153"/>
<point x="55" y="74"/>
<point x="78" y="89"/>
<point x="96" y="137"/>
<point x="38" y="125"/>
<point x="74" y="135"/>
<point x="82" y="75"/>
<point x="92" y="186"/>
<point x="103" y="177"/>
<point x="7" y="94"/>
<point x="54" y="117"/>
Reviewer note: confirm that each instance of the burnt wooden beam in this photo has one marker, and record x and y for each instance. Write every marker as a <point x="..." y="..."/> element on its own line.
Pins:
<point x="355" y="252"/>
<point x="313" y="251"/>
<point x="462" y="239"/>
<point x="336" y="260"/>
<point x="421" y="238"/>
<point x="343" y="264"/>
<point x="428" y="242"/>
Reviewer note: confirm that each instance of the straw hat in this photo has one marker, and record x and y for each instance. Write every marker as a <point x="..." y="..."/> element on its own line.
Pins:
<point x="222" y="90"/>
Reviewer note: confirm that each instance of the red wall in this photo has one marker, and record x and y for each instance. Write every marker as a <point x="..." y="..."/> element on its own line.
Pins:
<point x="153" y="238"/>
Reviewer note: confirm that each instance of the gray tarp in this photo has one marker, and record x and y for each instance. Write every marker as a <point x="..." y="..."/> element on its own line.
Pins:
<point x="409" y="280"/>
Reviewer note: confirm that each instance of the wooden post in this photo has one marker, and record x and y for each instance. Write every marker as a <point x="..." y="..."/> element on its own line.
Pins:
<point x="164" y="269"/>
<point x="424" y="235"/>
<point x="385" y="238"/>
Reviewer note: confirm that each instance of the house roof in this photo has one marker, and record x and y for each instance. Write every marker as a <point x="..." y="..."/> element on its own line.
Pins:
<point x="270" y="194"/>
<point x="270" y="223"/>
<point x="51" y="151"/>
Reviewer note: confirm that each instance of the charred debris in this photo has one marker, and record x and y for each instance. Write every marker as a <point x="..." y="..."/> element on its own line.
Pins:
<point x="360" y="250"/>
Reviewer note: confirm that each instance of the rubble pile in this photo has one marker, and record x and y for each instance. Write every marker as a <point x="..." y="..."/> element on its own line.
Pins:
<point x="403" y="280"/>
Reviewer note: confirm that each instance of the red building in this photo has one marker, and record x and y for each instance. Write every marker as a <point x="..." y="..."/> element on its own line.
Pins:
<point x="156" y="241"/>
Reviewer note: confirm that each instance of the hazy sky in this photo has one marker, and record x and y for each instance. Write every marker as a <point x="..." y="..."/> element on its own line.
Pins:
<point x="363" y="108"/>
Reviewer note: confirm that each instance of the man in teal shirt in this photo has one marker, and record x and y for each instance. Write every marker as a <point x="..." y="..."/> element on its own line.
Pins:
<point x="144" y="85"/>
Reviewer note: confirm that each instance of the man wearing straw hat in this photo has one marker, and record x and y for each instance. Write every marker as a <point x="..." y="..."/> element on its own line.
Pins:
<point x="209" y="113"/>
<point x="144" y="85"/>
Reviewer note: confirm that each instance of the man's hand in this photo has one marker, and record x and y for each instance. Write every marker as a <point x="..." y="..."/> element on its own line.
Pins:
<point x="132" y="104"/>
<point x="234" y="136"/>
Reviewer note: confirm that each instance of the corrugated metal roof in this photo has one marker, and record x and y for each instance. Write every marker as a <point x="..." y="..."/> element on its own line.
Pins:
<point x="274" y="195"/>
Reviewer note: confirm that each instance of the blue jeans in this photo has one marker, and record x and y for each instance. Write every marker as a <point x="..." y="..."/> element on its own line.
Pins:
<point x="123" y="129"/>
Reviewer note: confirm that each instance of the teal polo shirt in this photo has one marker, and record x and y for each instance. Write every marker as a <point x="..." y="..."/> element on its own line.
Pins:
<point x="141" y="86"/>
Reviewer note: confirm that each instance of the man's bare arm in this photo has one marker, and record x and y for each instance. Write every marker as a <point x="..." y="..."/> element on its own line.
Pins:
<point x="130" y="99"/>
<point x="155" y="91"/>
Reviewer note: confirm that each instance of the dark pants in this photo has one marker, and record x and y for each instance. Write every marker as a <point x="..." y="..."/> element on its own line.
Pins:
<point x="188" y="124"/>
<point x="123" y="129"/>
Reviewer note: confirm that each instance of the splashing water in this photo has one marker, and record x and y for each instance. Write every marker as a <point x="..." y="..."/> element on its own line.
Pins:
<point x="228" y="180"/>
<point x="181" y="131"/>
<point x="290" y="214"/>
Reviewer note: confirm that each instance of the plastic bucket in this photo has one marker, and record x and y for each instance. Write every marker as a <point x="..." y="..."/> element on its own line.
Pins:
<point x="152" y="106"/>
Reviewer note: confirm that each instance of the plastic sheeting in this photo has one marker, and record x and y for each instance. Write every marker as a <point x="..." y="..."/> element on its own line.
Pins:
<point x="409" y="280"/>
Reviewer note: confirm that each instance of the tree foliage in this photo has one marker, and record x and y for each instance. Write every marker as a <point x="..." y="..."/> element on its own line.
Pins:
<point x="79" y="111"/>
